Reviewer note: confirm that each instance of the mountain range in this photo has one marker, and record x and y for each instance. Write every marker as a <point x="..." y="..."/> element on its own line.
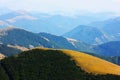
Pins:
<point x="23" y="38"/>
<point x="87" y="34"/>
<point x="15" y="40"/>
<point x="108" y="49"/>
<point x="41" y="22"/>
<point x="110" y="27"/>
<point x="39" y="46"/>
<point x="97" y="32"/>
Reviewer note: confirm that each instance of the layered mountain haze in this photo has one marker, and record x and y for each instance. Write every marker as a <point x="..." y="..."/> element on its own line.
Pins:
<point x="60" y="40"/>
<point x="43" y="22"/>
<point x="110" y="27"/>
<point x="20" y="37"/>
<point x="97" y="32"/>
<point x="27" y="21"/>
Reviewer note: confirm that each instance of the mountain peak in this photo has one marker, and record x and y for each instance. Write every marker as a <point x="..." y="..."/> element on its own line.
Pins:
<point x="87" y="34"/>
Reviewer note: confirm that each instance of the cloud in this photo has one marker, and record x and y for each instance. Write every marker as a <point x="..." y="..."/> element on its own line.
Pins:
<point x="117" y="0"/>
<point x="63" y="6"/>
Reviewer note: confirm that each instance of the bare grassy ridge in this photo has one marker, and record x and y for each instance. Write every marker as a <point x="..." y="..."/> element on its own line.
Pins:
<point x="93" y="64"/>
<point x="90" y="63"/>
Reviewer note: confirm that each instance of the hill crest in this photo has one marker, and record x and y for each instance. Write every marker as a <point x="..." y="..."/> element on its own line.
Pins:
<point x="90" y="63"/>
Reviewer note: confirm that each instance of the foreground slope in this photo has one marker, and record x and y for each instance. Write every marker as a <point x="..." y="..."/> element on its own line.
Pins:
<point x="93" y="64"/>
<point x="49" y="64"/>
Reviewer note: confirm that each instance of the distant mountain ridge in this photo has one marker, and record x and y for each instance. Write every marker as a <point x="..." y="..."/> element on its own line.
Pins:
<point x="44" y="22"/>
<point x="87" y="34"/>
<point x="21" y="37"/>
<point x="108" y="49"/>
<point x="67" y="43"/>
<point x="10" y="50"/>
<point x="110" y="27"/>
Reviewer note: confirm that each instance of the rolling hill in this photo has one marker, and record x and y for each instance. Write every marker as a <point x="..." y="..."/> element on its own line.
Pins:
<point x="92" y="64"/>
<point x="44" y="64"/>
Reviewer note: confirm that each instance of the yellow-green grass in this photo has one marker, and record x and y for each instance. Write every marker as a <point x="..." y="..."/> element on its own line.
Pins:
<point x="91" y="64"/>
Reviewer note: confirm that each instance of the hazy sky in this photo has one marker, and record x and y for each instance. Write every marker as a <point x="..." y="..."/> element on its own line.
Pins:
<point x="63" y="6"/>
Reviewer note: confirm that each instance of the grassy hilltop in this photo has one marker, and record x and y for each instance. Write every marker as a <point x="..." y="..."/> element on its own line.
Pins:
<point x="50" y="64"/>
